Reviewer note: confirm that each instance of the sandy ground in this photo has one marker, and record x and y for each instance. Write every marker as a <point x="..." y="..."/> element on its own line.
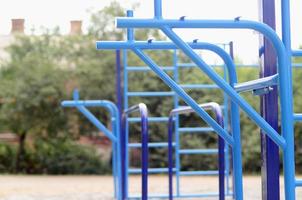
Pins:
<point x="101" y="187"/>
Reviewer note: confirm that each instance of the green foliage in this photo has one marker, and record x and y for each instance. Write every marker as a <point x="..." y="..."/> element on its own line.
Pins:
<point x="63" y="157"/>
<point x="7" y="152"/>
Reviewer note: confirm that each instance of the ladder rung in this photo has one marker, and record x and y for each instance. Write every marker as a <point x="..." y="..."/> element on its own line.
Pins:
<point x="298" y="182"/>
<point x="154" y="144"/>
<point x="201" y="173"/>
<point x="150" y="170"/>
<point x="297" y="65"/>
<point x="195" y="129"/>
<point x="199" y="86"/>
<point x="144" y="68"/>
<point x="298" y="116"/>
<point x="198" y="151"/>
<point x="150" y="94"/>
<point x="186" y="65"/>
<point x="150" y="119"/>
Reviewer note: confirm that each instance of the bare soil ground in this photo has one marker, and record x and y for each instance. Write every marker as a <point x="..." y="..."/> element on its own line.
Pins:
<point x="101" y="187"/>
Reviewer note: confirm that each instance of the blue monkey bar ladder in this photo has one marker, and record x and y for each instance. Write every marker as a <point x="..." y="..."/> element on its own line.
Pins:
<point x="177" y="64"/>
<point x="283" y="52"/>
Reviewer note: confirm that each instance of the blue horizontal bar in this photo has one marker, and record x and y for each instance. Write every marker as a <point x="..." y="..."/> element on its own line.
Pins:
<point x="257" y="84"/>
<point x="199" y="86"/>
<point x="144" y="68"/>
<point x="298" y="182"/>
<point x="198" y="151"/>
<point x="196" y="129"/>
<point x="150" y="94"/>
<point x="298" y="116"/>
<point x="150" y="119"/>
<point x="150" y="170"/>
<point x="200" y="173"/>
<point x="186" y="65"/>
<point x="297" y="53"/>
<point x="150" y="144"/>
<point x="297" y="65"/>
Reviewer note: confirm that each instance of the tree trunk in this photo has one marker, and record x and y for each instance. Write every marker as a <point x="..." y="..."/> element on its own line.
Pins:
<point x="20" y="153"/>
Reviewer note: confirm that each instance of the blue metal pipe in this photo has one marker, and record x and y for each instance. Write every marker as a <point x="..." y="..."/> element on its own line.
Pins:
<point x="287" y="128"/>
<point x="184" y="95"/>
<point x="115" y="117"/>
<point x="232" y="78"/>
<point x="164" y="45"/>
<point x="142" y="108"/>
<point x="90" y="117"/>
<point x="297" y="53"/>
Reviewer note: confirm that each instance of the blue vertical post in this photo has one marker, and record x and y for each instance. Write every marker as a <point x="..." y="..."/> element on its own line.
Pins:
<point x="118" y="92"/>
<point x="269" y="102"/>
<point x="176" y="126"/>
<point x="118" y="86"/>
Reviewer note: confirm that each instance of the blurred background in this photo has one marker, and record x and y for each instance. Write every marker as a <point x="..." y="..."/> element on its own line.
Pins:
<point x="48" y="48"/>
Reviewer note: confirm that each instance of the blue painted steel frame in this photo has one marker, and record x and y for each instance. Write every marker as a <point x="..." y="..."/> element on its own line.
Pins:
<point x="142" y="108"/>
<point x="219" y="118"/>
<point x="126" y="94"/>
<point x="113" y="135"/>
<point x="286" y="141"/>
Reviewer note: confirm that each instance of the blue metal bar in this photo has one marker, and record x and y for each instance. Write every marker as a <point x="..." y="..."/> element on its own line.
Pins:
<point x="225" y="108"/>
<point x="217" y="79"/>
<point x="198" y="151"/>
<point x="204" y="115"/>
<point x="150" y="145"/>
<point x="289" y="152"/>
<point x="80" y="105"/>
<point x="125" y="125"/>
<point x="261" y="83"/>
<point x="199" y="173"/>
<point x="115" y="118"/>
<point x="298" y="117"/>
<point x="285" y="86"/>
<point x="219" y="117"/>
<point x="270" y="169"/>
<point x="177" y="139"/>
<point x="195" y="129"/>
<point x="144" y="144"/>
<point x="150" y="170"/>
<point x="150" y="119"/>
<point x="298" y="183"/>
<point x="150" y="94"/>
<point x="297" y="53"/>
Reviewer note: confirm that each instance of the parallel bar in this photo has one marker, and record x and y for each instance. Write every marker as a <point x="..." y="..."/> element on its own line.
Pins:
<point x="198" y="151"/>
<point x="200" y="173"/>
<point x="257" y="84"/>
<point x="150" y="145"/>
<point x="150" y="94"/>
<point x="150" y="119"/>
<point x="195" y="129"/>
